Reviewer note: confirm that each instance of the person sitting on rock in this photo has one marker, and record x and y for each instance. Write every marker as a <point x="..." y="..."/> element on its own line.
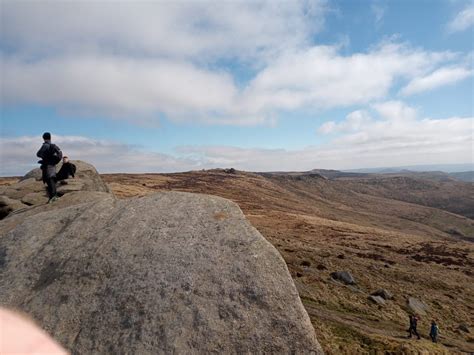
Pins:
<point x="434" y="331"/>
<point x="67" y="170"/>
<point x="50" y="155"/>
<point x="413" y="324"/>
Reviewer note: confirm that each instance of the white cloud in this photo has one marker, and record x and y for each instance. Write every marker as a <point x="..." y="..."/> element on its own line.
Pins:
<point x="463" y="20"/>
<point x="378" y="10"/>
<point x="377" y="142"/>
<point x="193" y="29"/>
<point x="317" y="77"/>
<point x="140" y="60"/>
<point x="18" y="155"/>
<point x="118" y="86"/>
<point x="395" y="111"/>
<point x="353" y="121"/>
<point x="320" y="77"/>
<point x="399" y="135"/>
<point x="392" y="135"/>
<point x="440" y="77"/>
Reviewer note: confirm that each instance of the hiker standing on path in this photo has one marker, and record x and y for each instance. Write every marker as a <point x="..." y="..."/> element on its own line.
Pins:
<point x="413" y="324"/>
<point x="50" y="155"/>
<point x="434" y="331"/>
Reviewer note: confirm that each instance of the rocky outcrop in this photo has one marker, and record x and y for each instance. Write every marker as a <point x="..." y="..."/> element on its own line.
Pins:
<point x="168" y="273"/>
<point x="31" y="191"/>
<point x="8" y="205"/>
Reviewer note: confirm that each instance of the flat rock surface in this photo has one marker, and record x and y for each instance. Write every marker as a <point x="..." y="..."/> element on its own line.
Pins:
<point x="168" y="273"/>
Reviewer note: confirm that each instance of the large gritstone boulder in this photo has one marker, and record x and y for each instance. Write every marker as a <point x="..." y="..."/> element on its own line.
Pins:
<point x="170" y="273"/>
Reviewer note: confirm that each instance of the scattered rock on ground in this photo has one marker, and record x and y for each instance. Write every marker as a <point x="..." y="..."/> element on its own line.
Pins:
<point x="385" y="294"/>
<point x="306" y="263"/>
<point x="416" y="306"/>
<point x="343" y="276"/>
<point x="377" y="299"/>
<point x="464" y="327"/>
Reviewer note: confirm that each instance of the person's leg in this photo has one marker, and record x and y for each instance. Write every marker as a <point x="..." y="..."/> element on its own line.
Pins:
<point x="416" y="333"/>
<point x="44" y="177"/>
<point x="51" y="182"/>
<point x="50" y="188"/>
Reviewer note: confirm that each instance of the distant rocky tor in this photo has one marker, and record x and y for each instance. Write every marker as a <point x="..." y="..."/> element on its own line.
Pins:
<point x="168" y="273"/>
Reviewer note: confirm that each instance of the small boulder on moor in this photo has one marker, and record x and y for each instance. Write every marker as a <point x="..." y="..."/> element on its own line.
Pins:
<point x="416" y="306"/>
<point x="377" y="300"/>
<point x="344" y="277"/>
<point x="385" y="294"/>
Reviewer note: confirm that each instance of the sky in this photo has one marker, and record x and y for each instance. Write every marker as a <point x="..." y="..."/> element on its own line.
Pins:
<point x="150" y="86"/>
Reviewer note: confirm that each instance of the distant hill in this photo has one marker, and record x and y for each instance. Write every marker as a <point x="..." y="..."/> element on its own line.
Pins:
<point x="447" y="168"/>
<point x="464" y="176"/>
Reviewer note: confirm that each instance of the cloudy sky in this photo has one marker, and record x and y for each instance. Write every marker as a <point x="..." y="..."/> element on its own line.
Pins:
<point x="135" y="86"/>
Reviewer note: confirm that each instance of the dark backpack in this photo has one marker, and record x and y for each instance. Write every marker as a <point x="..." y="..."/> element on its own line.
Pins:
<point x="54" y="154"/>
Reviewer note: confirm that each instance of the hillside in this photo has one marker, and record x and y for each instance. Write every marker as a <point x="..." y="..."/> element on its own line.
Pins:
<point x="388" y="232"/>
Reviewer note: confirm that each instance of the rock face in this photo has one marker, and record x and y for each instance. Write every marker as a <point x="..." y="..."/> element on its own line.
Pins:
<point x="167" y="273"/>
<point x="344" y="277"/>
<point x="31" y="191"/>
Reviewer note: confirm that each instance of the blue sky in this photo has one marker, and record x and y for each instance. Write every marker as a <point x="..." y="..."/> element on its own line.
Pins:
<point x="156" y="87"/>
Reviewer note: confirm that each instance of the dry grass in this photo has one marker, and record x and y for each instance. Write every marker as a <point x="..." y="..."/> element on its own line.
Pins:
<point x="321" y="225"/>
<point x="7" y="181"/>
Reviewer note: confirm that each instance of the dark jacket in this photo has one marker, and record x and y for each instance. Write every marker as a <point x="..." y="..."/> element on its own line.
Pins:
<point x="49" y="170"/>
<point x="67" y="169"/>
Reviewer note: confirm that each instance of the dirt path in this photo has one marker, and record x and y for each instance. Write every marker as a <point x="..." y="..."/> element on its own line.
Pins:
<point x="389" y="330"/>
